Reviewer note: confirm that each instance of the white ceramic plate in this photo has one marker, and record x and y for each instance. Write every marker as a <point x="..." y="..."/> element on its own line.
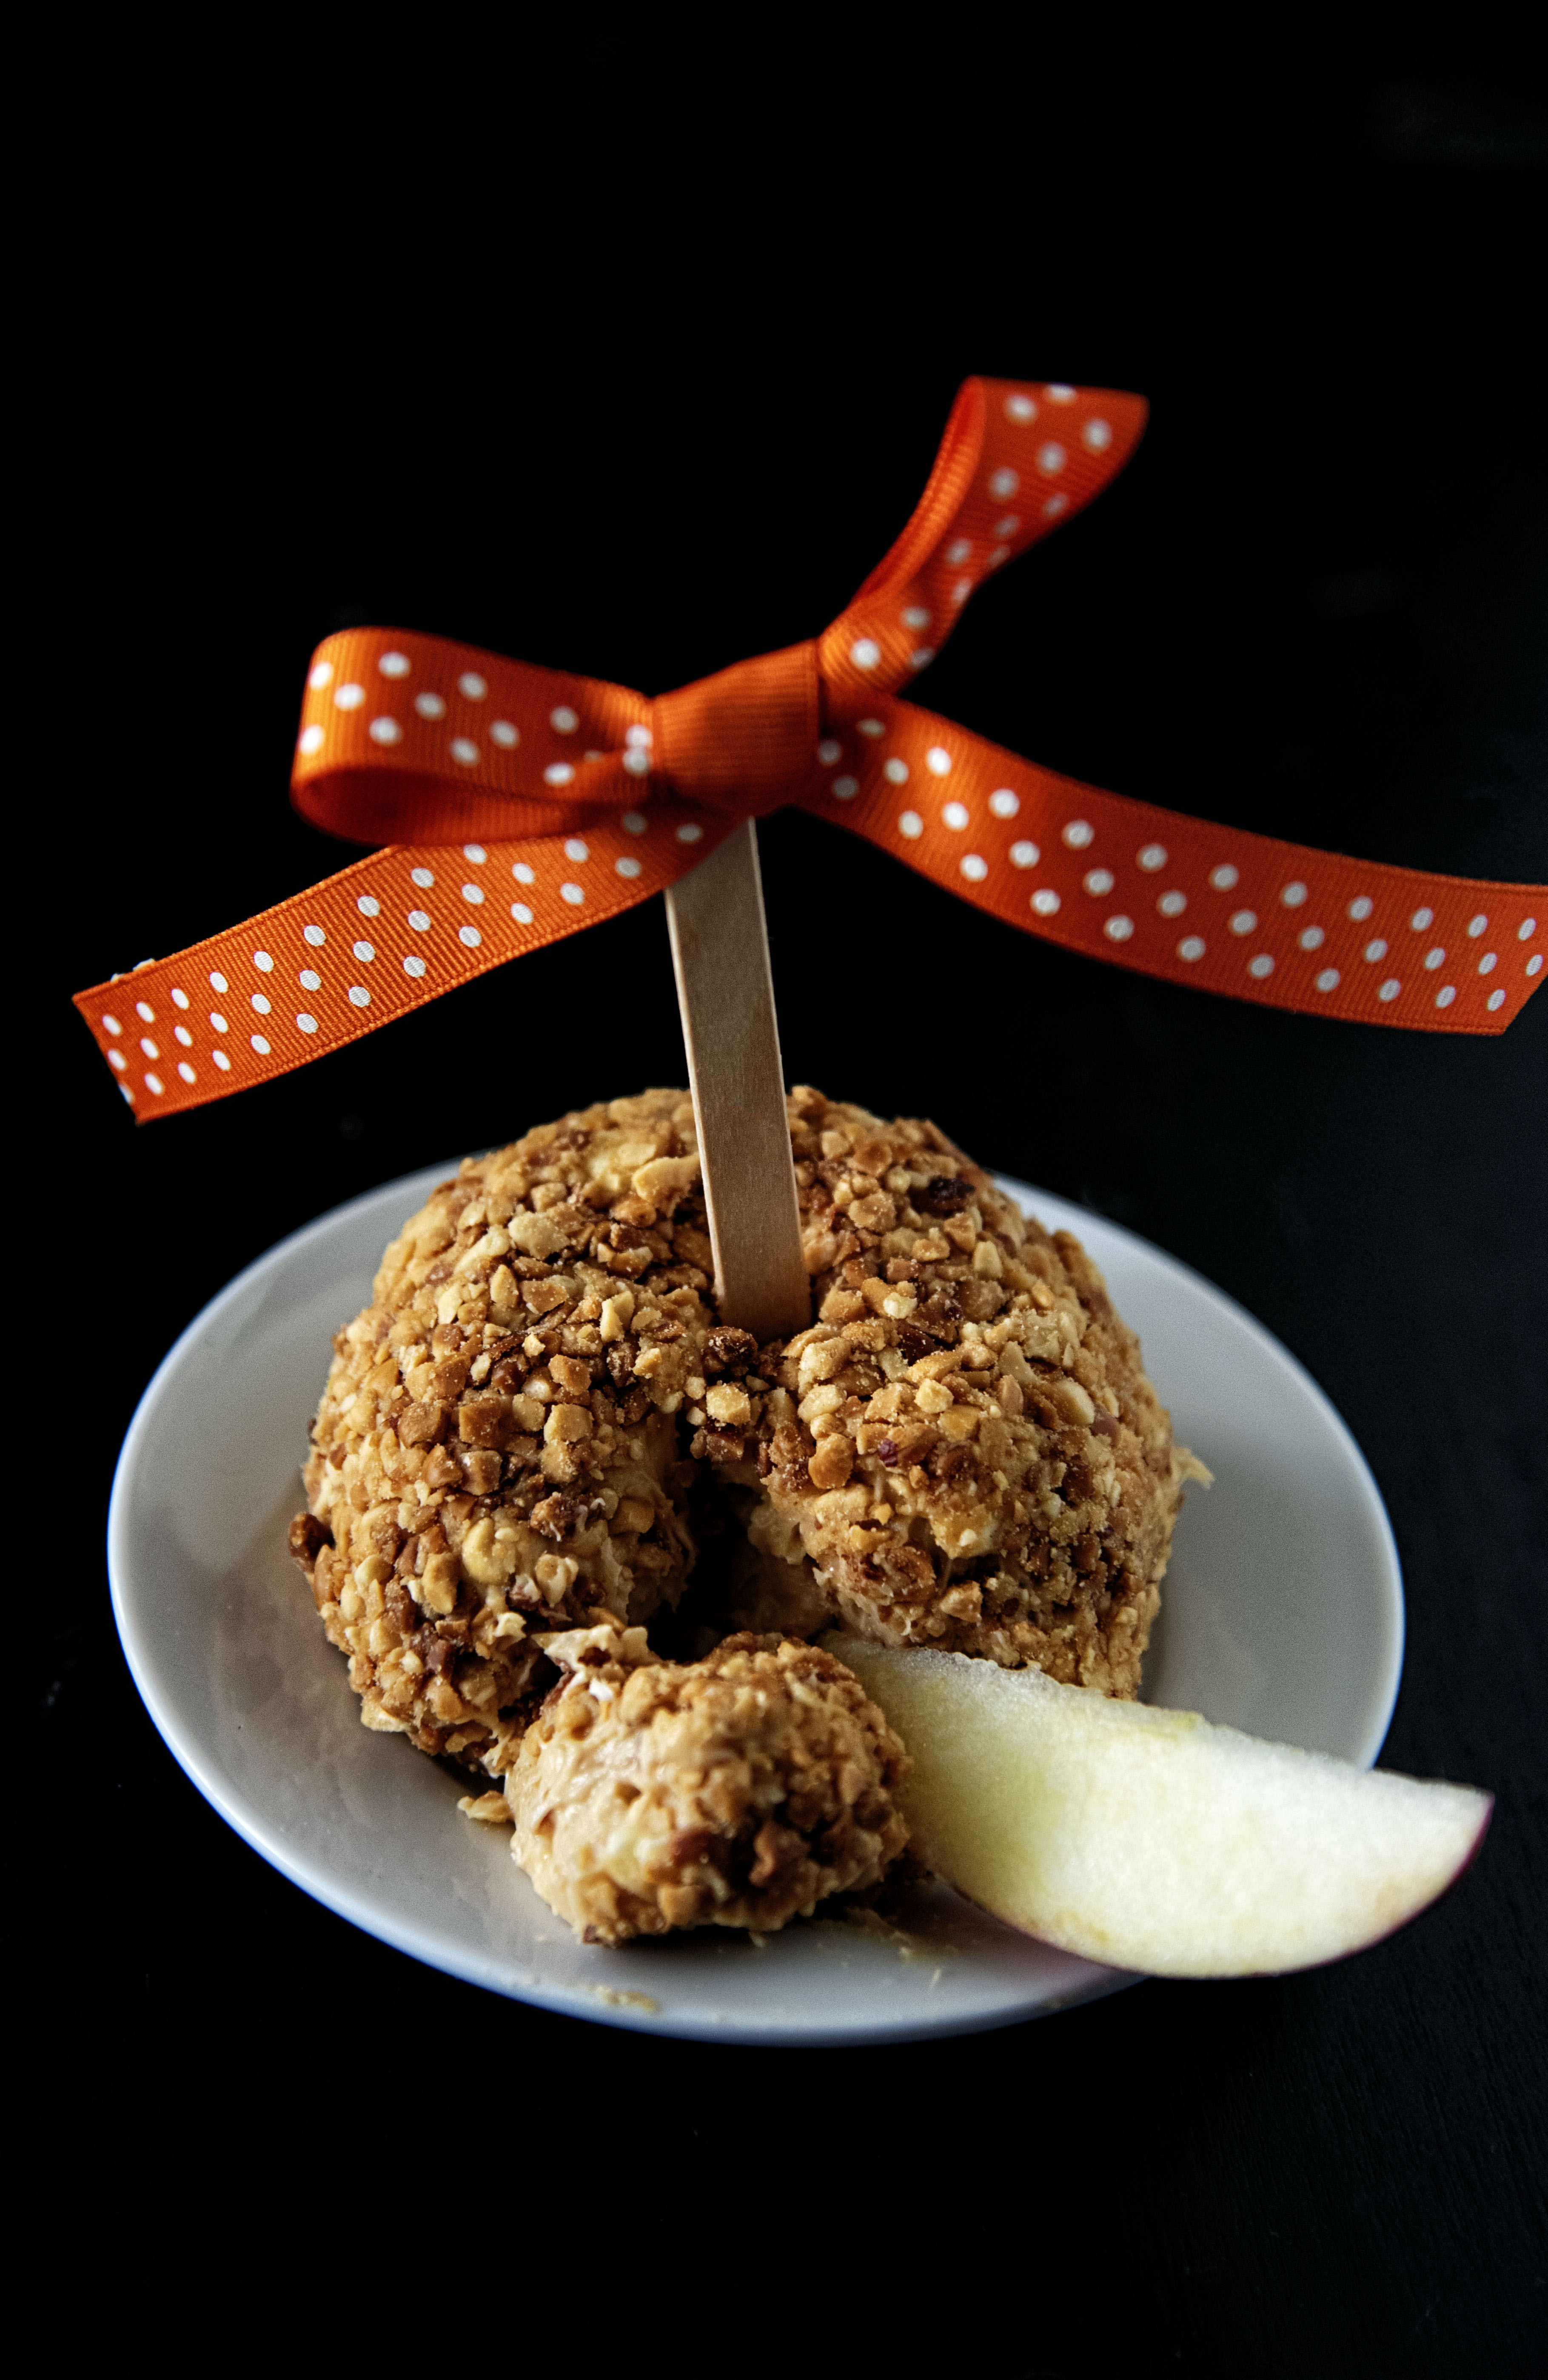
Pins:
<point x="1283" y="1614"/>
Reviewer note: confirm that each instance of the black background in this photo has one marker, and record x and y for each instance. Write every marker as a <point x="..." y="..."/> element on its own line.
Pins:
<point x="640" y="401"/>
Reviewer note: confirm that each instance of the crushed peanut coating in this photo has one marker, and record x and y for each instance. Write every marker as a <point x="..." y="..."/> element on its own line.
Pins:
<point x="497" y="1447"/>
<point x="964" y="1446"/>
<point x="962" y="1450"/>
<point x="739" y="1790"/>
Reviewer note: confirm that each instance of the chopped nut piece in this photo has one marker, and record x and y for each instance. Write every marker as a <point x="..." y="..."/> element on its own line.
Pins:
<point x="535" y="1235"/>
<point x="480" y="1420"/>
<point x="822" y="1360"/>
<point x="665" y="1180"/>
<point x="308" y="1538"/>
<point x="558" y="1516"/>
<point x="943" y="1195"/>
<point x="439" y="1583"/>
<point x="830" y="1465"/>
<point x="729" y="1350"/>
<point x="489" y="1552"/>
<point x="616" y="1313"/>
<point x="1073" y="1401"/>
<point x="421" y="1425"/>
<point x="555" y="1574"/>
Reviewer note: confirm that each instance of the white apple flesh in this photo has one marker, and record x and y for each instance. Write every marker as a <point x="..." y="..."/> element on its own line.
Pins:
<point x="1150" y="1839"/>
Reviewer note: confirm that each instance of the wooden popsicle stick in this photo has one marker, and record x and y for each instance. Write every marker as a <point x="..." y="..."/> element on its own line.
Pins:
<point x="720" y="954"/>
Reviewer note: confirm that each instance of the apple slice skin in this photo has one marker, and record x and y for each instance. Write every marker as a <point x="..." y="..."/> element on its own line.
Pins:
<point x="1150" y="1839"/>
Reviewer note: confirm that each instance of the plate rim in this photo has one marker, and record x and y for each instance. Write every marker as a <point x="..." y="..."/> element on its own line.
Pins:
<point x="400" y="1934"/>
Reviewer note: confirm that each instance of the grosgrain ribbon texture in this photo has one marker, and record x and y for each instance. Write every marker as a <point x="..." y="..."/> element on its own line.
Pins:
<point x="517" y="805"/>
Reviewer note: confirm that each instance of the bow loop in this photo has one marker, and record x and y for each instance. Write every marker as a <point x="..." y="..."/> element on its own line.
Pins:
<point x="410" y="738"/>
<point x="743" y="740"/>
<point x="1013" y="464"/>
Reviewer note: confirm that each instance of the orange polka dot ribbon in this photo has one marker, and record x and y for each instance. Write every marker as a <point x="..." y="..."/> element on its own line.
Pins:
<point x="517" y="805"/>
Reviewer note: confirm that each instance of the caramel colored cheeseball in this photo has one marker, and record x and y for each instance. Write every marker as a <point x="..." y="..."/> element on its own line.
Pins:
<point x="739" y="1790"/>
<point x="962" y="1449"/>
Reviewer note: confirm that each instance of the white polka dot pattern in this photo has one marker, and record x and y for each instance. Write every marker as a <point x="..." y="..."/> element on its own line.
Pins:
<point x="1301" y="937"/>
<point x="422" y="951"/>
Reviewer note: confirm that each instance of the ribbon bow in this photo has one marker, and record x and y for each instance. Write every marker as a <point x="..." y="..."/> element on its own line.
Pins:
<point x="531" y="804"/>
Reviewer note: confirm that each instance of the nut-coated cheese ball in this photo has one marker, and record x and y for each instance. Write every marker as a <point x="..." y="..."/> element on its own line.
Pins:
<point x="739" y="1790"/>
<point x="962" y="1448"/>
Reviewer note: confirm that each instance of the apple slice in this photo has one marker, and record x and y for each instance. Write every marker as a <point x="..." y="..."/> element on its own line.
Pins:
<point x="1150" y="1839"/>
